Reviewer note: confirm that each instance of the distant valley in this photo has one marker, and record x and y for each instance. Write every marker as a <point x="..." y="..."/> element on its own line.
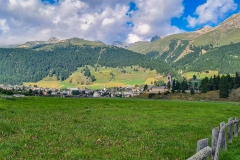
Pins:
<point x="63" y="61"/>
<point x="58" y="62"/>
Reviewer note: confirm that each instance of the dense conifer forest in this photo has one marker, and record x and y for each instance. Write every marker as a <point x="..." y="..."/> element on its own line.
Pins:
<point x="28" y="65"/>
<point x="225" y="59"/>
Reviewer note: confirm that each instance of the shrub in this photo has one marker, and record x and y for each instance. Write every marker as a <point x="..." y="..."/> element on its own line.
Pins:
<point x="166" y="93"/>
<point x="151" y="95"/>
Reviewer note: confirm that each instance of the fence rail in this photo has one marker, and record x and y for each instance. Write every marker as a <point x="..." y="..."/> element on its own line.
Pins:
<point x="219" y="140"/>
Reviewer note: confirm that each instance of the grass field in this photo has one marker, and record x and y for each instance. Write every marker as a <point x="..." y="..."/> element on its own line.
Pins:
<point x="200" y="75"/>
<point x="60" y="128"/>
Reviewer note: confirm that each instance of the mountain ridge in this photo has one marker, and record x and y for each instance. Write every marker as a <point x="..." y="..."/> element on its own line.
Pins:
<point x="204" y="49"/>
<point x="56" y="41"/>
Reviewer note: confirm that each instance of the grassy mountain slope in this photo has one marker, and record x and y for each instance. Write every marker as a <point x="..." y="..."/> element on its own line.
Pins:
<point x="218" y="37"/>
<point x="111" y="77"/>
<point x="224" y="34"/>
<point x="160" y="45"/>
<point x="205" y="49"/>
<point x="30" y="65"/>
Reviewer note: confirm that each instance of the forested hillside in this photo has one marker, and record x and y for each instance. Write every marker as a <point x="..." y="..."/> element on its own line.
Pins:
<point x="28" y="65"/>
<point x="225" y="59"/>
<point x="204" y="49"/>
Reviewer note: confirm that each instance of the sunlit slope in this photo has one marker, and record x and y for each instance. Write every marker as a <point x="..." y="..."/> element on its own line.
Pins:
<point x="159" y="45"/>
<point x="111" y="77"/>
<point x="224" y="34"/>
<point x="218" y="37"/>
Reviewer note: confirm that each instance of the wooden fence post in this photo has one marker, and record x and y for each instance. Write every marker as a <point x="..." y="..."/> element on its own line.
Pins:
<point x="230" y="131"/>
<point x="224" y="141"/>
<point x="215" y="133"/>
<point x="236" y="128"/>
<point x="202" y="144"/>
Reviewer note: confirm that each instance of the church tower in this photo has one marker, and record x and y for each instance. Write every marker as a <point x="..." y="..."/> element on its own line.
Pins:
<point x="169" y="79"/>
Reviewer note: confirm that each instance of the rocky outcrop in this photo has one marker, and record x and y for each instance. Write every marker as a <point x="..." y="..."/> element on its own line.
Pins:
<point x="155" y="38"/>
<point x="230" y="23"/>
<point x="120" y="44"/>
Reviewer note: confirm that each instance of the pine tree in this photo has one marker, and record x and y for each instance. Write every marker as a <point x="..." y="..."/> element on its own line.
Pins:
<point x="192" y="91"/>
<point x="196" y="86"/>
<point x="177" y="85"/>
<point x="183" y="86"/>
<point x="230" y="81"/>
<point x="224" y="87"/>
<point x="174" y="86"/>
<point x="203" y="86"/>
<point x="237" y="80"/>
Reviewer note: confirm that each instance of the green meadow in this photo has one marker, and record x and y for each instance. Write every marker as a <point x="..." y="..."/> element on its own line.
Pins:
<point x="111" y="77"/>
<point x="68" y="128"/>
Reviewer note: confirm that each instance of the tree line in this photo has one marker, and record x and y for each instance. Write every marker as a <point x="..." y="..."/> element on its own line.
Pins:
<point x="224" y="84"/>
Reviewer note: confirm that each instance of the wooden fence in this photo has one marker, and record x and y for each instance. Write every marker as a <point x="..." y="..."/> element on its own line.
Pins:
<point x="218" y="140"/>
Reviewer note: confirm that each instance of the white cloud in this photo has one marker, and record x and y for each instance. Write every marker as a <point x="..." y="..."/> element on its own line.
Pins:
<point x="132" y="38"/>
<point x="3" y="26"/>
<point x="154" y="18"/>
<point x="107" y="21"/>
<point x="25" y="20"/>
<point x="142" y="29"/>
<point x="211" y="12"/>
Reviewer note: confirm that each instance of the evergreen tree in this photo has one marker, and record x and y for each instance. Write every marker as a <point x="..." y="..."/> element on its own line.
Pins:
<point x="174" y="86"/>
<point x="230" y="81"/>
<point x="194" y="77"/>
<point x="203" y="86"/>
<point x="215" y="83"/>
<point x="30" y="91"/>
<point x="183" y="86"/>
<point x="177" y="85"/>
<point x="224" y="87"/>
<point x="237" y="80"/>
<point x="196" y="86"/>
<point x="210" y="84"/>
<point x="192" y="91"/>
<point x="190" y="84"/>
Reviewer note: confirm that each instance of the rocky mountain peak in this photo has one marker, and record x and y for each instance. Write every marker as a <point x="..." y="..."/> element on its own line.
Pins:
<point x="155" y="38"/>
<point x="204" y="29"/>
<point x="231" y="22"/>
<point x="120" y="44"/>
<point x="53" y="40"/>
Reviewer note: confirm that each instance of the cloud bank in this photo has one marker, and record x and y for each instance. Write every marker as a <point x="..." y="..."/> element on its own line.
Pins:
<point x="29" y="20"/>
<point x="107" y="21"/>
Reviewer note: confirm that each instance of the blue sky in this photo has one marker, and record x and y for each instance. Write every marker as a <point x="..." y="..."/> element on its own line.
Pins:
<point x="190" y="8"/>
<point x="108" y="20"/>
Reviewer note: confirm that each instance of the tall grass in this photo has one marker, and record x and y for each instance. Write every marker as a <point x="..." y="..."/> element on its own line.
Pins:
<point x="58" y="128"/>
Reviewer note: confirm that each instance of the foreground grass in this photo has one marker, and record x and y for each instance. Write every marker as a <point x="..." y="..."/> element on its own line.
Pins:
<point x="58" y="128"/>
